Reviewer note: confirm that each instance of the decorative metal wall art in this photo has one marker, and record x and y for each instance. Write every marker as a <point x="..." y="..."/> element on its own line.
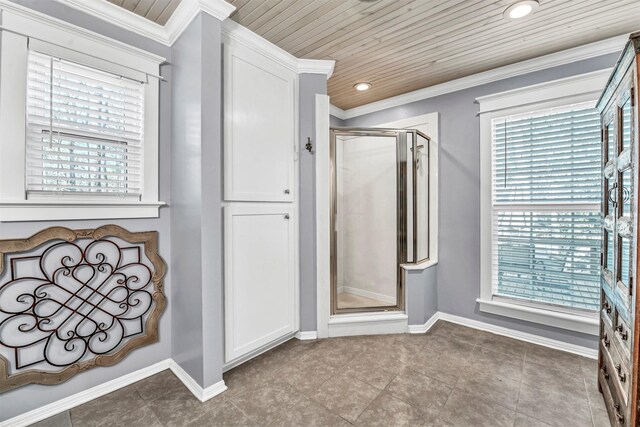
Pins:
<point x="71" y="300"/>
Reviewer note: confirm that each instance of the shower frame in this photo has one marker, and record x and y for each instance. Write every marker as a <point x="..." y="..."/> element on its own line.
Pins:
<point x="401" y="209"/>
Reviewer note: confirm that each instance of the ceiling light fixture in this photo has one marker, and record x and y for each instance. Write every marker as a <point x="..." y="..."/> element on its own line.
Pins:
<point x="362" y="86"/>
<point x="521" y="9"/>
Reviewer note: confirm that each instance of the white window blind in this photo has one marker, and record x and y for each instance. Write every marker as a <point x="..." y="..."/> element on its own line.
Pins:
<point x="546" y="207"/>
<point x="84" y="130"/>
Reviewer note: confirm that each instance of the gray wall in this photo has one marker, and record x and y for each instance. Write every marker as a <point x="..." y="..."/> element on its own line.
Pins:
<point x="30" y="397"/>
<point x="309" y="86"/>
<point x="422" y="294"/>
<point x="458" y="272"/>
<point x="196" y="222"/>
<point x="335" y="121"/>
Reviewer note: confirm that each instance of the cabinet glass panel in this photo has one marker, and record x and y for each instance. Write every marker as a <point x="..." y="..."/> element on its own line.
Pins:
<point x="611" y="141"/>
<point x="626" y="125"/>
<point x="623" y="273"/>
<point x="625" y="193"/>
<point x="609" y="247"/>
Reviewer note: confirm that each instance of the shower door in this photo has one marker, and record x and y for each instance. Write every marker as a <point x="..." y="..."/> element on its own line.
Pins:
<point x="369" y="219"/>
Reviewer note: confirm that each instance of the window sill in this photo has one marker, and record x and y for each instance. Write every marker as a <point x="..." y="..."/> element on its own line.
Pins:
<point x="60" y="210"/>
<point x="584" y="324"/>
<point x="420" y="266"/>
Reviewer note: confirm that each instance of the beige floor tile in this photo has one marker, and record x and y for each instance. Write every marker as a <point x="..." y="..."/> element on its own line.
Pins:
<point x="484" y="360"/>
<point x="371" y="369"/>
<point x="159" y="385"/>
<point x="266" y="403"/>
<point x="309" y="413"/>
<point x="107" y="409"/>
<point x="491" y="387"/>
<point x="61" y="420"/>
<point x="463" y="409"/>
<point x="557" y="359"/>
<point x="345" y="396"/>
<point x="426" y="394"/>
<point x="554" y="407"/>
<point x="386" y="410"/>
<point x="527" y="421"/>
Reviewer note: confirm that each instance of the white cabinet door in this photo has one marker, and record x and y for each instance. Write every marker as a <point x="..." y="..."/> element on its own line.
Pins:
<point x="260" y="291"/>
<point x="259" y="126"/>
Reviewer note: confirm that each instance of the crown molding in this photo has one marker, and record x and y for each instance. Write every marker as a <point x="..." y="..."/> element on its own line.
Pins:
<point x="591" y="50"/>
<point x="316" y="66"/>
<point x="592" y="83"/>
<point x="167" y="34"/>
<point x="338" y="112"/>
<point x="186" y="11"/>
<point x="235" y="32"/>
<point x="28" y="17"/>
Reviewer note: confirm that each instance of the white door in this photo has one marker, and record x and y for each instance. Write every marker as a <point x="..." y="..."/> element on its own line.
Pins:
<point x="260" y="293"/>
<point x="259" y="126"/>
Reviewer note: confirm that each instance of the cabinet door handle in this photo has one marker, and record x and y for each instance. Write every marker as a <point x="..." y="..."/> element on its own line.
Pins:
<point x="605" y="339"/>
<point x="623" y="335"/>
<point x="286" y="191"/>
<point x="286" y="216"/>
<point x="605" y="374"/>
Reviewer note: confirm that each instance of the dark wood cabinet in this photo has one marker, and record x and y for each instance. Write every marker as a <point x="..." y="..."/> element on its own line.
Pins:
<point x="618" y="349"/>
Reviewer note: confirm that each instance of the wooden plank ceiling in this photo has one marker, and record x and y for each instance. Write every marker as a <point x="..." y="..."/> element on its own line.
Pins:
<point x="157" y="11"/>
<point x="404" y="45"/>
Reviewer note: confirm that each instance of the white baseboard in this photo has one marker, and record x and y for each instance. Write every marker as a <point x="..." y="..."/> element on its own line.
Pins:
<point x="307" y="335"/>
<point x="367" y="294"/>
<point x="77" y="399"/>
<point x="422" y="329"/>
<point x="202" y="394"/>
<point x="344" y="325"/>
<point x="590" y="353"/>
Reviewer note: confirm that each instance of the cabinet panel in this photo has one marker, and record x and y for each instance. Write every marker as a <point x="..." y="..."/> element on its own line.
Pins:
<point x="260" y="293"/>
<point x="259" y="127"/>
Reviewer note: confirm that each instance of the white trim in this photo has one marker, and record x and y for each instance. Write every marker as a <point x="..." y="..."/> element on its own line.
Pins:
<point x="367" y="294"/>
<point x="56" y="31"/>
<point x="84" y="396"/>
<point x="583" y="84"/>
<point x="557" y="93"/>
<point x="54" y="210"/>
<point x="323" y="224"/>
<point x="167" y="34"/>
<point x="591" y="50"/>
<point x="202" y="394"/>
<point x="316" y="66"/>
<point x="337" y="112"/>
<point x="563" y="320"/>
<point x="591" y="353"/>
<point x="419" y="266"/>
<point x="424" y="328"/>
<point x="307" y="335"/>
<point x="231" y="30"/>
<point x="343" y="325"/>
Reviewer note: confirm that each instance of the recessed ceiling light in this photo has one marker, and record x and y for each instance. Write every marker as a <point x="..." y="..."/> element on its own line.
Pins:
<point x="362" y="86"/>
<point x="521" y="9"/>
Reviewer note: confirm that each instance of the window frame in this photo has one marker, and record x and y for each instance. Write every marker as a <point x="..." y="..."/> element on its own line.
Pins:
<point x="92" y="50"/>
<point x="554" y="94"/>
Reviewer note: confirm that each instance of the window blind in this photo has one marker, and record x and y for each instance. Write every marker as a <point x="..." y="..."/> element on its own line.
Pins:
<point x="84" y="130"/>
<point x="546" y="207"/>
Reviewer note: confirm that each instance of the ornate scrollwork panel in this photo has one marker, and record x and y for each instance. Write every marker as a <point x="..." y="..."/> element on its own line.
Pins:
<point x="74" y="299"/>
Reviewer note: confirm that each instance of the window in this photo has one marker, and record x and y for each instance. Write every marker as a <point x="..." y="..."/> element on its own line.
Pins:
<point x="541" y="223"/>
<point x="546" y="207"/>
<point x="78" y="126"/>
<point x="84" y="130"/>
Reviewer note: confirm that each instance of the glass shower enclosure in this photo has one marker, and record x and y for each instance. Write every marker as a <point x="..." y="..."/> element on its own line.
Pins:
<point x="379" y="215"/>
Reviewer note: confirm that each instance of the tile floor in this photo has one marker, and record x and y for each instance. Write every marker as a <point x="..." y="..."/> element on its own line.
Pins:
<point x="452" y="376"/>
<point x="347" y="300"/>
